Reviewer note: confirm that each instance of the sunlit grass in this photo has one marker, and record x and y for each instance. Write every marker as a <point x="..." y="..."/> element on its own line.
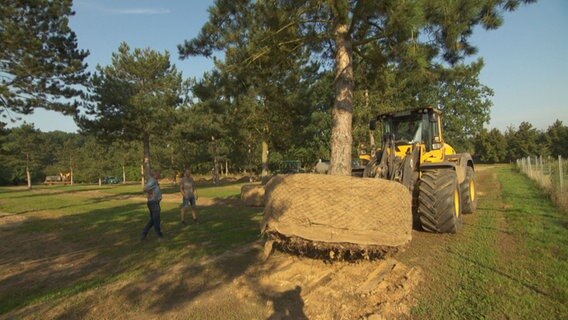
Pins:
<point x="104" y="227"/>
<point x="510" y="261"/>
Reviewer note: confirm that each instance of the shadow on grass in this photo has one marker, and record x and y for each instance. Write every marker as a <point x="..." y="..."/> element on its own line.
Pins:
<point x="49" y="261"/>
<point x="525" y="284"/>
<point x="539" y="214"/>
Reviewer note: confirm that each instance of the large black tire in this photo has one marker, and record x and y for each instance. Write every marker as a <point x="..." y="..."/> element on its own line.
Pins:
<point x="467" y="188"/>
<point x="439" y="201"/>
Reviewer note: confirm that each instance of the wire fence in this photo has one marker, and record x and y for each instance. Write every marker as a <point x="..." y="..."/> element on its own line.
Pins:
<point x="551" y="174"/>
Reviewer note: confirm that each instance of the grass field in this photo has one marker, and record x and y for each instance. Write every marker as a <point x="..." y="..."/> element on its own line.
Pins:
<point x="74" y="252"/>
<point x="80" y="238"/>
<point x="509" y="262"/>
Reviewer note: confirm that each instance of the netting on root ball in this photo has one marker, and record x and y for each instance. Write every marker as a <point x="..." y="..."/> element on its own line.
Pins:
<point x="335" y="210"/>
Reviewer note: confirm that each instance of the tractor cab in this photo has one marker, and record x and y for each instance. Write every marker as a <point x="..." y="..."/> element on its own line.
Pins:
<point x="416" y="126"/>
<point x="410" y="138"/>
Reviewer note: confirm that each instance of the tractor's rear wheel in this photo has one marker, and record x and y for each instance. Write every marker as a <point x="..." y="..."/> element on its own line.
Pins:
<point x="469" y="198"/>
<point x="439" y="201"/>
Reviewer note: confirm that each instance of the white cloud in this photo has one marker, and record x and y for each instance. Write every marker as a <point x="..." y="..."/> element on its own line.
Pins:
<point x="89" y="5"/>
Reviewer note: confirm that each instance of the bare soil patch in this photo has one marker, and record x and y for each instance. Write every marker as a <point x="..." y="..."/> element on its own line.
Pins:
<point x="300" y="288"/>
<point x="8" y="220"/>
<point x="244" y="283"/>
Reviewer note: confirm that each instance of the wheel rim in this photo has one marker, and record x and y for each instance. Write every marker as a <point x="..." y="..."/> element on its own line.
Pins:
<point x="456" y="202"/>
<point x="472" y="190"/>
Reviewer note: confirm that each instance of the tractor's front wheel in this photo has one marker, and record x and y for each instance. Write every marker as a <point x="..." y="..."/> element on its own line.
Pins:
<point x="439" y="201"/>
<point x="469" y="198"/>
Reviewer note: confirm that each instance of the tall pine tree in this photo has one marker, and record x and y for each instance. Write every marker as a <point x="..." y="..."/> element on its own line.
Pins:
<point x="409" y="34"/>
<point x="40" y="65"/>
<point x="134" y="98"/>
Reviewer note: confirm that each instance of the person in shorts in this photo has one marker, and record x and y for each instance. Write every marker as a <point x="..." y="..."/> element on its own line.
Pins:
<point x="189" y="195"/>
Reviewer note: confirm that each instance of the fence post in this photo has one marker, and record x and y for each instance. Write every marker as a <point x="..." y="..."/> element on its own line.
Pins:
<point x="530" y="166"/>
<point x="560" y="173"/>
<point x="541" y="173"/>
<point x="537" y="165"/>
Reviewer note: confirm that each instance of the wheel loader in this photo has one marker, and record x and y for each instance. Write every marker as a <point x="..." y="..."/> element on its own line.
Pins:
<point x="414" y="179"/>
<point x="414" y="154"/>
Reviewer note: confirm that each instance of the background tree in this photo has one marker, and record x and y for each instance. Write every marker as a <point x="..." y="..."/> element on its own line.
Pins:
<point x="68" y="155"/>
<point x="465" y="103"/>
<point x="557" y="139"/>
<point x="268" y="89"/>
<point x="55" y="151"/>
<point x="126" y="155"/>
<point x="523" y="142"/>
<point x="134" y="98"/>
<point x="22" y="144"/>
<point x="381" y="34"/>
<point x="5" y="169"/>
<point x="95" y="161"/>
<point x="490" y="146"/>
<point x="40" y="65"/>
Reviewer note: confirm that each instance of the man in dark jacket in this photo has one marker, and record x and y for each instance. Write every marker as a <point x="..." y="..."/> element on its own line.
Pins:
<point x="154" y="195"/>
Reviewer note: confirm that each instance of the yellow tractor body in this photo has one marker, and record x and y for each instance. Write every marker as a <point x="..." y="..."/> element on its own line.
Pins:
<point x="414" y="179"/>
<point x="415" y="154"/>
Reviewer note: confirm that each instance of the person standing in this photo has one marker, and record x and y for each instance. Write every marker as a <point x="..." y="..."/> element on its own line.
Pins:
<point x="188" y="194"/>
<point x="154" y="195"/>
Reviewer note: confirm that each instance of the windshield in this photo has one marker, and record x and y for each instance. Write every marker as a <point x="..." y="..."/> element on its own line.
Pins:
<point x="408" y="129"/>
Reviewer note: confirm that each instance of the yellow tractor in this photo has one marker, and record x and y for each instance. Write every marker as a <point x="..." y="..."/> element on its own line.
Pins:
<point x="414" y="153"/>
<point x="415" y="178"/>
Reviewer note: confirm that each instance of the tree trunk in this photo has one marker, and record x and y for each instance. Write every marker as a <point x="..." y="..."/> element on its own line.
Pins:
<point x="264" y="158"/>
<point x="100" y="181"/>
<point x="71" y="175"/>
<point x="28" y="175"/>
<point x="215" y="170"/>
<point x="341" y="134"/>
<point x="29" y="178"/>
<point x="146" y="163"/>
<point x="123" y="175"/>
<point x="215" y="162"/>
<point x="143" y="176"/>
<point x="371" y="150"/>
<point x="146" y="160"/>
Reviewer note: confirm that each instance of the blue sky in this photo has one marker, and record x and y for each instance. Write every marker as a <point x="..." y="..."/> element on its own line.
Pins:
<point x="526" y="60"/>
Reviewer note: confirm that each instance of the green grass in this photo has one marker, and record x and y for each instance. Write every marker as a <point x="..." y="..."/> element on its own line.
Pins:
<point x="510" y="261"/>
<point x="98" y="233"/>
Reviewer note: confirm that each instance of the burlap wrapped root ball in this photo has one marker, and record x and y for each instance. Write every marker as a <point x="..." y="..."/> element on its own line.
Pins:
<point x="253" y="195"/>
<point x="338" y="209"/>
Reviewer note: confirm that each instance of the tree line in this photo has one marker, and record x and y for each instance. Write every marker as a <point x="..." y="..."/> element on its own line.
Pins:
<point x="494" y="146"/>
<point x="292" y="80"/>
<point x="90" y="159"/>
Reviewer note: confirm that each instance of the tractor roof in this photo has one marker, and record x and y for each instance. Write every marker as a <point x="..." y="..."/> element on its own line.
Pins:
<point x="407" y="112"/>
